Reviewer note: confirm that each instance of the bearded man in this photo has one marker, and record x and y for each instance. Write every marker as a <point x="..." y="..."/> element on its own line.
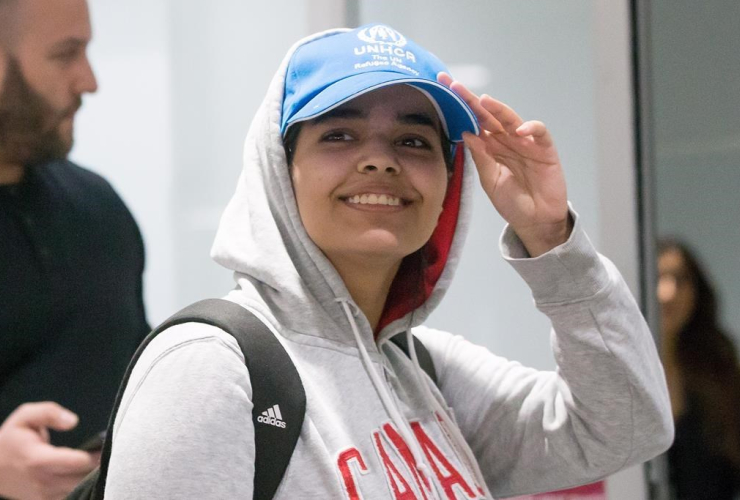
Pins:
<point x="71" y="258"/>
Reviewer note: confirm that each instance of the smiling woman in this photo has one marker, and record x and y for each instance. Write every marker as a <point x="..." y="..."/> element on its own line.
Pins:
<point x="344" y="232"/>
<point x="370" y="180"/>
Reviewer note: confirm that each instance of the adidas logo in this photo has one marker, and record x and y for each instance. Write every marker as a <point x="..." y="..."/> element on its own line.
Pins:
<point x="272" y="417"/>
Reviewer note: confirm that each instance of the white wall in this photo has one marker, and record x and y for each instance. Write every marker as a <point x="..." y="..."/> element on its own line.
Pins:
<point x="179" y="83"/>
<point x="224" y="54"/>
<point x="125" y="131"/>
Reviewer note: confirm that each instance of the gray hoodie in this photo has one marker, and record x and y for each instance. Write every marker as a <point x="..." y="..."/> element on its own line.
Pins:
<point x="375" y="424"/>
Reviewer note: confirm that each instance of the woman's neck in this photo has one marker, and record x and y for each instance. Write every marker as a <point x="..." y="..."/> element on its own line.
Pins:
<point x="369" y="283"/>
<point x="10" y="173"/>
<point x="668" y="341"/>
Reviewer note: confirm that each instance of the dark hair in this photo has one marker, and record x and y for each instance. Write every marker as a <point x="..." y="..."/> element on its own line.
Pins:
<point x="708" y="362"/>
<point x="290" y="139"/>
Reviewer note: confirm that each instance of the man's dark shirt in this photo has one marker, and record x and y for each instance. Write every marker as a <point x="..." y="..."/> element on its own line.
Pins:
<point x="71" y="309"/>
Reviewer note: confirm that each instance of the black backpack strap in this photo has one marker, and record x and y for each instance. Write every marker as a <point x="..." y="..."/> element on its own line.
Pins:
<point x="276" y="390"/>
<point x="425" y="359"/>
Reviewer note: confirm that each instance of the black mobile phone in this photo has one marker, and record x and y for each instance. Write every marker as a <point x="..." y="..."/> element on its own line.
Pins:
<point x="94" y="443"/>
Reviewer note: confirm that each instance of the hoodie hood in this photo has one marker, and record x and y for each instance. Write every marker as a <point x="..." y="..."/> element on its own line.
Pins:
<point x="262" y="239"/>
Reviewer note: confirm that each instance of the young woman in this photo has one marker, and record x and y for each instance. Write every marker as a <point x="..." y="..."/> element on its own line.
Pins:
<point x="703" y="378"/>
<point x="344" y="231"/>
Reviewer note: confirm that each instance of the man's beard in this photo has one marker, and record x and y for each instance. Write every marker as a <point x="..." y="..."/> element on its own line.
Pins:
<point x="29" y="125"/>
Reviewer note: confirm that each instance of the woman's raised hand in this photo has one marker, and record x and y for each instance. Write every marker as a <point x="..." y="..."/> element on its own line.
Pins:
<point x="519" y="170"/>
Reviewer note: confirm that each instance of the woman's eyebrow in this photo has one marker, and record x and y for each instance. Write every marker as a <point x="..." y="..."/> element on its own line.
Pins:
<point x="418" y="119"/>
<point x="340" y="113"/>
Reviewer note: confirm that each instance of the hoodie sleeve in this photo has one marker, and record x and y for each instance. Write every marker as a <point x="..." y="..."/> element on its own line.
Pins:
<point x="605" y="407"/>
<point x="184" y="428"/>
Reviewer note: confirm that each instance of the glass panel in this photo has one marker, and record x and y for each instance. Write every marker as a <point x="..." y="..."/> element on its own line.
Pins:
<point x="693" y="144"/>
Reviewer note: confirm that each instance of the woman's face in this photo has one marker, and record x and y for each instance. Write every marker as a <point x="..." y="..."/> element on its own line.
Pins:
<point x="370" y="176"/>
<point x="676" y="292"/>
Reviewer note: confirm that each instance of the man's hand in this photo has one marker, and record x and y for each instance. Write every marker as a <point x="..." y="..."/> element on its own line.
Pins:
<point x="519" y="170"/>
<point x="31" y="468"/>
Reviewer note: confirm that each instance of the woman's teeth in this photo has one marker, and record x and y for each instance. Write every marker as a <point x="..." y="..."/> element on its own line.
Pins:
<point x="374" y="199"/>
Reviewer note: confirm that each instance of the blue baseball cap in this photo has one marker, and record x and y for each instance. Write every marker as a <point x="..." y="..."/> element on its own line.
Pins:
<point x="329" y="71"/>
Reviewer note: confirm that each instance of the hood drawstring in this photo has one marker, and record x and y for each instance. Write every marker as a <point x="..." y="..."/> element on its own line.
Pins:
<point x="387" y="399"/>
<point x="451" y="430"/>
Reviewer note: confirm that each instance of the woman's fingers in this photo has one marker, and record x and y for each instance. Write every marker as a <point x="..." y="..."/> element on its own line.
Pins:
<point x="489" y="169"/>
<point x="486" y="120"/>
<point x="493" y="115"/>
<point x="502" y="113"/>
<point x="445" y="79"/>
<point x="538" y="131"/>
<point x="505" y="133"/>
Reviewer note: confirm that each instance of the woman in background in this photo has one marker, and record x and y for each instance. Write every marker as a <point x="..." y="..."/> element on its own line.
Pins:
<point x="703" y="380"/>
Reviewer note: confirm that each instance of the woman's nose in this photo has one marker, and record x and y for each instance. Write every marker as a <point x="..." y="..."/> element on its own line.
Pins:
<point x="380" y="157"/>
<point x="666" y="289"/>
<point x="375" y="166"/>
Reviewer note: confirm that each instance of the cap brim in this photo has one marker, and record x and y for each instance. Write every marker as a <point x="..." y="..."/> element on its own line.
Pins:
<point x="454" y="113"/>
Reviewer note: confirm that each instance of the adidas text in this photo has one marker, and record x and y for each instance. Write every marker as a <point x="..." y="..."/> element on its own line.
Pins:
<point x="271" y="420"/>
<point x="272" y="416"/>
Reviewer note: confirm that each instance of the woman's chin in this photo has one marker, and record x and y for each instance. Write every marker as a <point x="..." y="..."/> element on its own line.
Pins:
<point x="386" y="244"/>
<point x="377" y="252"/>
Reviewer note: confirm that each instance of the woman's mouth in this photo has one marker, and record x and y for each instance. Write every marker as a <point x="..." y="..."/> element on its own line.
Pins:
<point x="375" y="199"/>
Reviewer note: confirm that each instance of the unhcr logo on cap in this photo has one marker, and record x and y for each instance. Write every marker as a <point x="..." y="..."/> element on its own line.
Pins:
<point x="382" y="34"/>
<point x="383" y="47"/>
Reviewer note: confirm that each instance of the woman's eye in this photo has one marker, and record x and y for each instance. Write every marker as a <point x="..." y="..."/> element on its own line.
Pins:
<point x="337" y="136"/>
<point x="414" y="142"/>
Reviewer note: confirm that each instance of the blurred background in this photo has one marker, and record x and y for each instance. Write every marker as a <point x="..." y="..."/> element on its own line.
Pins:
<point x="641" y="97"/>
